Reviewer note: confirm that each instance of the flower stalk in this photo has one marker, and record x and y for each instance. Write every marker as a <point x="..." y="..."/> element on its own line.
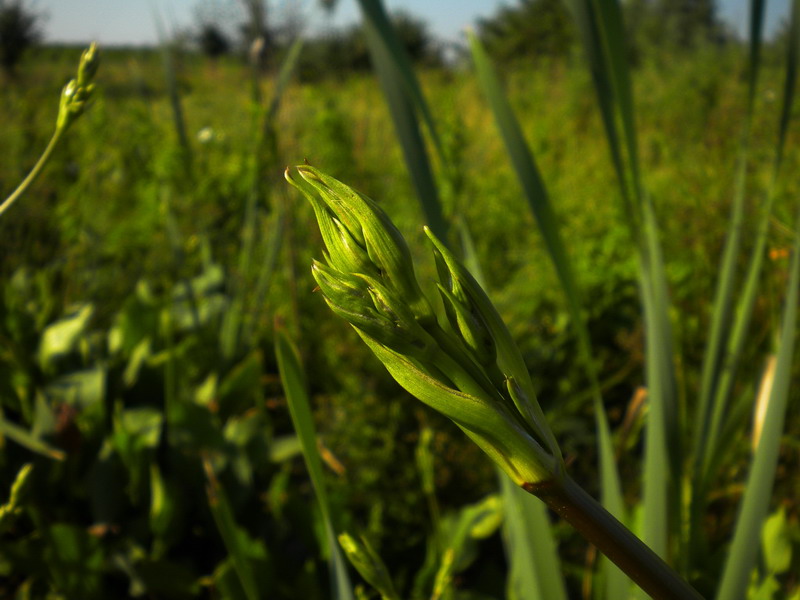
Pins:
<point x="74" y="99"/>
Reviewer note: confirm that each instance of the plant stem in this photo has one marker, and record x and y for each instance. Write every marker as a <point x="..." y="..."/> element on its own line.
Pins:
<point x="37" y="169"/>
<point x="612" y="538"/>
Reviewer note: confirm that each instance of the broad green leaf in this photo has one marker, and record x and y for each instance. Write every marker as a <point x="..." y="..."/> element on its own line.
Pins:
<point x="85" y="389"/>
<point x="164" y="505"/>
<point x="61" y="337"/>
<point x="284" y="448"/>
<point x="74" y="559"/>
<point x="299" y="407"/>
<point x="776" y="542"/>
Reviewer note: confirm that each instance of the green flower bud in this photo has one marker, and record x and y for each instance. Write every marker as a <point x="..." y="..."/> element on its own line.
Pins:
<point x="463" y="287"/>
<point x="473" y="373"/>
<point x="471" y="328"/>
<point x="344" y="290"/>
<point x="370" y="229"/>
<point x="74" y="99"/>
<point x="532" y="413"/>
<point x="488" y="423"/>
<point x="90" y="61"/>
<point x="370" y="307"/>
<point x="76" y="94"/>
<point x="466" y="290"/>
<point x="347" y="254"/>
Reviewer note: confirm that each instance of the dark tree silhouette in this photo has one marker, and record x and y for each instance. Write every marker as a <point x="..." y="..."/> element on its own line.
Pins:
<point x="530" y="28"/>
<point x="212" y="41"/>
<point x="19" y="30"/>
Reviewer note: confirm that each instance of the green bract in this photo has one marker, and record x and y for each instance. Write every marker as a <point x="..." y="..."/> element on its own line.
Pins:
<point x="465" y="365"/>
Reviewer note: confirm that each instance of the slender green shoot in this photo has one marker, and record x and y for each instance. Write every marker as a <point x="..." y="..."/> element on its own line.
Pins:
<point x="74" y="99"/>
<point x="299" y="407"/>
<point x="758" y="492"/>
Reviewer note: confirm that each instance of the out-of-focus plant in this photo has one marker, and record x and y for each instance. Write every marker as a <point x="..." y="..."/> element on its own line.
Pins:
<point x="74" y="99"/>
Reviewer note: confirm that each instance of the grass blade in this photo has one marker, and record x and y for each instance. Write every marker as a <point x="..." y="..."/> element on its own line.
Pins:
<point x="404" y="97"/>
<point x="284" y="75"/>
<point x="384" y="37"/>
<point x="601" y="29"/>
<point x="591" y="38"/>
<point x="531" y="181"/>
<point x="755" y="504"/>
<point x="406" y="101"/>
<point x="299" y="407"/>
<point x="534" y="572"/>
<point x="656" y="456"/>
<point x="538" y="199"/>
<point x="24" y="438"/>
<point x="710" y="401"/>
<point x="230" y="532"/>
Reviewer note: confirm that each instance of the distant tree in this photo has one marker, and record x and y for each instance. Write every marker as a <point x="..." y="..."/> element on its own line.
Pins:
<point x="530" y="28"/>
<point x="19" y="30"/>
<point x="692" y="22"/>
<point x="416" y="38"/>
<point x="344" y="51"/>
<point x="677" y="25"/>
<point x="213" y="41"/>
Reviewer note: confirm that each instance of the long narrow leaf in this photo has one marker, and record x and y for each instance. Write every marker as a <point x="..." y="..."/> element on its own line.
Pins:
<point x="612" y="39"/>
<point x="538" y="199"/>
<point x="406" y="101"/>
<point x="709" y="401"/>
<point x="588" y="27"/>
<point x="404" y="98"/>
<point x="534" y="569"/>
<point x="383" y="36"/>
<point x="24" y="438"/>
<point x="754" y="507"/>
<point x="299" y="407"/>
<point x="231" y="534"/>
<point x="601" y="29"/>
<point x="284" y="75"/>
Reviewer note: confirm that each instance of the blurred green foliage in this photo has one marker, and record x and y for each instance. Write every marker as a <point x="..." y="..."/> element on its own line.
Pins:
<point x="164" y="461"/>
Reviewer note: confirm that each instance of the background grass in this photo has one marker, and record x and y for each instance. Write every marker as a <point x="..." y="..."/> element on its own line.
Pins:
<point x="154" y="419"/>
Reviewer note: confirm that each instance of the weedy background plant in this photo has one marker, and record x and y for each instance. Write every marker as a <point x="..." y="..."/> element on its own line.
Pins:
<point x="148" y="276"/>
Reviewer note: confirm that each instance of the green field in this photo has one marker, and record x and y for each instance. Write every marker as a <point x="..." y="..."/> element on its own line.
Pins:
<point x="147" y="271"/>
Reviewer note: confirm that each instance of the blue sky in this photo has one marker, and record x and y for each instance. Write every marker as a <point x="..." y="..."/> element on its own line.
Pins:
<point x="132" y="22"/>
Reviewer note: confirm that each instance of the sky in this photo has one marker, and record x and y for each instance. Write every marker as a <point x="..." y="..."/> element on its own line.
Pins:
<point x="113" y="22"/>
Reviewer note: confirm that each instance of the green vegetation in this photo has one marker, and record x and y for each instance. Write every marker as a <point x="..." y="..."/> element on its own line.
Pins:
<point x="166" y="365"/>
